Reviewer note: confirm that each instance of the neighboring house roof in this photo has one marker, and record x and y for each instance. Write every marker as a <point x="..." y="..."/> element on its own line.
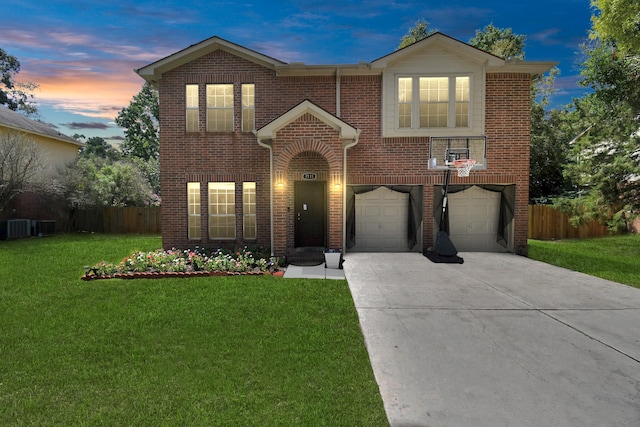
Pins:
<point x="152" y="72"/>
<point x="16" y="121"/>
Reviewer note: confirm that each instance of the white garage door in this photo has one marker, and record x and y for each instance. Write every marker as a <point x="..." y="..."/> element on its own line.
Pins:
<point x="381" y="221"/>
<point x="473" y="220"/>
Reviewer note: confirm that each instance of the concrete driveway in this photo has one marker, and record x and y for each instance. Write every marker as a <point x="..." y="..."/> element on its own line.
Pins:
<point x="500" y="340"/>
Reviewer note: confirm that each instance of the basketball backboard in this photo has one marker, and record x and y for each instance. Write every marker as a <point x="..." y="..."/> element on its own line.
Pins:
<point x="444" y="150"/>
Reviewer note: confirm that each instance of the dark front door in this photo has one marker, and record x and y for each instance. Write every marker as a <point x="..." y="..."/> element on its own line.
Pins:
<point x="310" y="213"/>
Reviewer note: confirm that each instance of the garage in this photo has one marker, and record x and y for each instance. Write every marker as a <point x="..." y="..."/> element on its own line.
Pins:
<point x="474" y="220"/>
<point x="381" y="221"/>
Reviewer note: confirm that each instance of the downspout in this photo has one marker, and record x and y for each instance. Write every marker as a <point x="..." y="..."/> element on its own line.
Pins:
<point x="270" y="148"/>
<point x="344" y="190"/>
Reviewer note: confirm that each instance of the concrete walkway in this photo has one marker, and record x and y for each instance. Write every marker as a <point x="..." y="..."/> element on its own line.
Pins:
<point x="500" y="340"/>
<point x="313" y="272"/>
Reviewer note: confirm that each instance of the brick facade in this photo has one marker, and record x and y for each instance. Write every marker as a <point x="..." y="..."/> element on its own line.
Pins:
<point x="308" y="143"/>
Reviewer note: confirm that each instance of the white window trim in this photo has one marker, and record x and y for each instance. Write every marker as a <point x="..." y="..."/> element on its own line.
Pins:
<point x="415" y="109"/>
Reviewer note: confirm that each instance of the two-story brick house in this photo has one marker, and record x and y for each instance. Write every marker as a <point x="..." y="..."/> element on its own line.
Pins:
<point x="257" y="151"/>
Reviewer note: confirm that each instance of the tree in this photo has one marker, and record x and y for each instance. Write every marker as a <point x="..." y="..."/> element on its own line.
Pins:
<point x="13" y="94"/>
<point x="501" y="42"/>
<point x="607" y="164"/>
<point x="20" y="165"/>
<point x="94" y="181"/>
<point x="549" y="133"/>
<point x="416" y="33"/>
<point x="618" y="21"/>
<point x="96" y="146"/>
<point x="140" y="120"/>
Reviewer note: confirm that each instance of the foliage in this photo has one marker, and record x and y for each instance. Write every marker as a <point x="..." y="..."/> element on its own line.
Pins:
<point x="93" y="181"/>
<point x="97" y="147"/>
<point x="500" y="42"/>
<point x="151" y="171"/>
<point x="21" y="162"/>
<point x="606" y="162"/>
<point x="239" y="261"/>
<point x="141" y="121"/>
<point x="606" y="172"/>
<point x="549" y="132"/>
<point x="232" y="351"/>
<point x="15" y="95"/>
<point x="618" y="21"/>
<point x="613" y="258"/>
<point x="416" y="33"/>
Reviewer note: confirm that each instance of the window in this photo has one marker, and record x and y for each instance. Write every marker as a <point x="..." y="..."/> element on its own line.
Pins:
<point x="220" y="108"/>
<point x="249" y="210"/>
<point x="404" y="102"/>
<point x="192" y="108"/>
<point x="462" y="102"/>
<point x="248" y="107"/>
<point x="222" y="207"/>
<point x="433" y="102"/>
<point x="193" y="205"/>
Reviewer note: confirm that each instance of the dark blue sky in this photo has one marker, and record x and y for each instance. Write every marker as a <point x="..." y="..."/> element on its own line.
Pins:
<point x="82" y="53"/>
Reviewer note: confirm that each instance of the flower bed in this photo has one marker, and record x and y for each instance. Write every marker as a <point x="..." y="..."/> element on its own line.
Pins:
<point x="176" y="263"/>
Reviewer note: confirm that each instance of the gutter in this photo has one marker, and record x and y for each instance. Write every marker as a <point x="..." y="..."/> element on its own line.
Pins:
<point x="344" y="189"/>
<point x="270" y="148"/>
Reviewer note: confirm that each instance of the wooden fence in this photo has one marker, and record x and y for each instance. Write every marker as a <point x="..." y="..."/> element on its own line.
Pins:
<point x="547" y="223"/>
<point x="115" y="220"/>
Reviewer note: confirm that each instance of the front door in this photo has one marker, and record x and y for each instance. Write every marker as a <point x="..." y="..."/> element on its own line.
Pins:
<point x="310" y="213"/>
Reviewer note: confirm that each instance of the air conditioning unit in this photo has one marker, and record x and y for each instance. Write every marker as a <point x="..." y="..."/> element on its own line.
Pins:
<point x="15" y="228"/>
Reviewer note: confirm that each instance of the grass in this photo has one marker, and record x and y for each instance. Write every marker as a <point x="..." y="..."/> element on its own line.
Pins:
<point x="248" y="350"/>
<point x="615" y="258"/>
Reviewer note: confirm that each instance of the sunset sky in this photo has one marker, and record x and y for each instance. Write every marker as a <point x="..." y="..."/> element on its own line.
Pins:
<point x="82" y="53"/>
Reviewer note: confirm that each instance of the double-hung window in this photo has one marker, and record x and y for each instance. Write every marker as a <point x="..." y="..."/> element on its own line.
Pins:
<point x="192" y="113"/>
<point x="220" y="108"/>
<point x="248" y="107"/>
<point x="249" y="210"/>
<point x="193" y="206"/>
<point x="433" y="102"/>
<point x="222" y="210"/>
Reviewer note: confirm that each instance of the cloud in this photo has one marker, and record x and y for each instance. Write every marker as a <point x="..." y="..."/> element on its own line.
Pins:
<point x="91" y="125"/>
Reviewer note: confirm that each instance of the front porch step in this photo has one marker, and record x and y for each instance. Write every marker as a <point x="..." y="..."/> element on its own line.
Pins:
<point x="305" y="256"/>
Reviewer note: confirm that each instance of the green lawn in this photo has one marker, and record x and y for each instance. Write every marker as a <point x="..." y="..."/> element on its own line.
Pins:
<point x="243" y="350"/>
<point x="615" y="258"/>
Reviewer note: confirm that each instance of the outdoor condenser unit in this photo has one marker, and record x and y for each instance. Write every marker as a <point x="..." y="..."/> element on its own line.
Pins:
<point x="15" y="228"/>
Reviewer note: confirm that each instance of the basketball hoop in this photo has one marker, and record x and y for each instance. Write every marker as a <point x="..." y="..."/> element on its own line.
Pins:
<point x="464" y="166"/>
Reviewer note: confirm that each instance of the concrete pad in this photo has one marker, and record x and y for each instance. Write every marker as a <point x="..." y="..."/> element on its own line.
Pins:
<point x="491" y="342"/>
<point x="313" y="272"/>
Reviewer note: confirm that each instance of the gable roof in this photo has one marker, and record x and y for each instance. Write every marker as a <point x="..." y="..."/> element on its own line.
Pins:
<point x="345" y="130"/>
<point x="444" y="41"/>
<point x="493" y="63"/>
<point x="16" y="121"/>
<point x="153" y="71"/>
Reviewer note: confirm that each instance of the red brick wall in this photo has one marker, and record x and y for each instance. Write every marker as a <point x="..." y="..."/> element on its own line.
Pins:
<point x="205" y="157"/>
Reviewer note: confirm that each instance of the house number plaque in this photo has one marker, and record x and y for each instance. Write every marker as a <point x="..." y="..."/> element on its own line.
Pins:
<point x="309" y="176"/>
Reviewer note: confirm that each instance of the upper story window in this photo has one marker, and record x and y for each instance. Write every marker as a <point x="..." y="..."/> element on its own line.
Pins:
<point x="248" y="108"/>
<point x="433" y="102"/>
<point x="220" y="108"/>
<point x="192" y="112"/>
